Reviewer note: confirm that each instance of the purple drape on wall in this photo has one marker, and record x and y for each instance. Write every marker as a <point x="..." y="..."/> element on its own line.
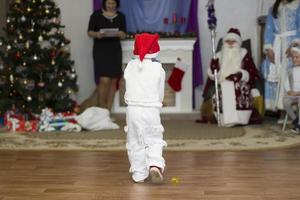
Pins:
<point x="197" y="66"/>
<point x="191" y="27"/>
<point x="97" y="4"/>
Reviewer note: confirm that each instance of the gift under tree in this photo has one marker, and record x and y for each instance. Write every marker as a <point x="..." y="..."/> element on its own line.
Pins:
<point x="36" y="67"/>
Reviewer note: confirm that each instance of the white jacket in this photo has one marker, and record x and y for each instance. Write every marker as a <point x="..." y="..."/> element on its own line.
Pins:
<point x="145" y="82"/>
<point x="292" y="82"/>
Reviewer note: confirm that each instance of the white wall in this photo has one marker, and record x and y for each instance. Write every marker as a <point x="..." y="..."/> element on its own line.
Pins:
<point x="75" y="16"/>
<point x="230" y="13"/>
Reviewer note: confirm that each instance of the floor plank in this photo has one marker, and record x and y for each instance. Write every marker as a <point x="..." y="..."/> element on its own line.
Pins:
<point x="259" y="175"/>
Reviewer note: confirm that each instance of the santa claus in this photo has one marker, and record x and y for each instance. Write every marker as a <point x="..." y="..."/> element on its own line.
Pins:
<point x="236" y="74"/>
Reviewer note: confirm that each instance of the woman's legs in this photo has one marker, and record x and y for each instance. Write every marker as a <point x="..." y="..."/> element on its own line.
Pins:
<point x="94" y="97"/>
<point x="91" y="101"/>
<point x="106" y="92"/>
<point x="112" y="92"/>
<point x="103" y="91"/>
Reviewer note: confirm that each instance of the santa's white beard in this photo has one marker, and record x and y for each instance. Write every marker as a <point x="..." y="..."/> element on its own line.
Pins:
<point x="231" y="59"/>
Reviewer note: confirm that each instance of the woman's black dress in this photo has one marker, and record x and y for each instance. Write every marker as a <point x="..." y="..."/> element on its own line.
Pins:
<point x="107" y="52"/>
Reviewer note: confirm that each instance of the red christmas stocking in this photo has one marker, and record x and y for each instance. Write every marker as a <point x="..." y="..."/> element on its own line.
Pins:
<point x="177" y="75"/>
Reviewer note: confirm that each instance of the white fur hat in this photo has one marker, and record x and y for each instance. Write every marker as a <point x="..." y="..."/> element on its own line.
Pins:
<point x="233" y="34"/>
<point x="296" y="49"/>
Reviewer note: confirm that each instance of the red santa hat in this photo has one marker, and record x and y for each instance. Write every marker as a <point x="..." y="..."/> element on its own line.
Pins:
<point x="146" y="45"/>
<point x="233" y="34"/>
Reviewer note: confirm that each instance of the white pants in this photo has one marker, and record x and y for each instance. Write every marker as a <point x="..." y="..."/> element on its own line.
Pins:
<point x="288" y="102"/>
<point x="144" y="140"/>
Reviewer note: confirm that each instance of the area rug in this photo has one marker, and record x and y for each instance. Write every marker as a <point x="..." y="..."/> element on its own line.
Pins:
<point x="180" y="136"/>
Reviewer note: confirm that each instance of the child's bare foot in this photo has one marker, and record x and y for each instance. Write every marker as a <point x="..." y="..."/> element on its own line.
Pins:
<point x="156" y="175"/>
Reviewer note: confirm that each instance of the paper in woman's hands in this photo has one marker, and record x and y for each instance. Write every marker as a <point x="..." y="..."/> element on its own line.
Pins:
<point x="109" y="32"/>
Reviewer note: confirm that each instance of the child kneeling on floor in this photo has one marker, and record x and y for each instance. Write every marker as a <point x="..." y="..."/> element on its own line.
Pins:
<point x="292" y="88"/>
<point x="145" y="82"/>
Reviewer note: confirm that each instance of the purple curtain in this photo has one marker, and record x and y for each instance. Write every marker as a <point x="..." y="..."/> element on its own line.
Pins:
<point x="97" y="4"/>
<point x="197" y="66"/>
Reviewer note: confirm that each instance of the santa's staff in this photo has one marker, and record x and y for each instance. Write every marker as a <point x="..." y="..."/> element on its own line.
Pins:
<point x="212" y="24"/>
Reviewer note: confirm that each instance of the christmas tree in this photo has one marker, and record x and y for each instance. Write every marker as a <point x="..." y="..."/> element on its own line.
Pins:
<point x="35" y="66"/>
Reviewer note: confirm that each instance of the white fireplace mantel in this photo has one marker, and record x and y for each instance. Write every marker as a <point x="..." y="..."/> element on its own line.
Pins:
<point x="170" y="50"/>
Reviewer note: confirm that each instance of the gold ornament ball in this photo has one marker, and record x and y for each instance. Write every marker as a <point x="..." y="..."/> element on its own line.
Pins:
<point x="175" y="180"/>
<point x="27" y="45"/>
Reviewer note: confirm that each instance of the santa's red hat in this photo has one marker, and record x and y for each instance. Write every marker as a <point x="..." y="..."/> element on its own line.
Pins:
<point x="233" y="34"/>
<point x="146" y="45"/>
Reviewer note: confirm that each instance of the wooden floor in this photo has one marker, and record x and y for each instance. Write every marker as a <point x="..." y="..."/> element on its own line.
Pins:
<point x="75" y="175"/>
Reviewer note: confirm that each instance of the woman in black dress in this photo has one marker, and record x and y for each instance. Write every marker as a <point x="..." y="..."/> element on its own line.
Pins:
<point x="107" y="51"/>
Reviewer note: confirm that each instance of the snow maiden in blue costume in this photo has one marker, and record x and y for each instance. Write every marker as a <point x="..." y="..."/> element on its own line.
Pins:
<point x="282" y="30"/>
